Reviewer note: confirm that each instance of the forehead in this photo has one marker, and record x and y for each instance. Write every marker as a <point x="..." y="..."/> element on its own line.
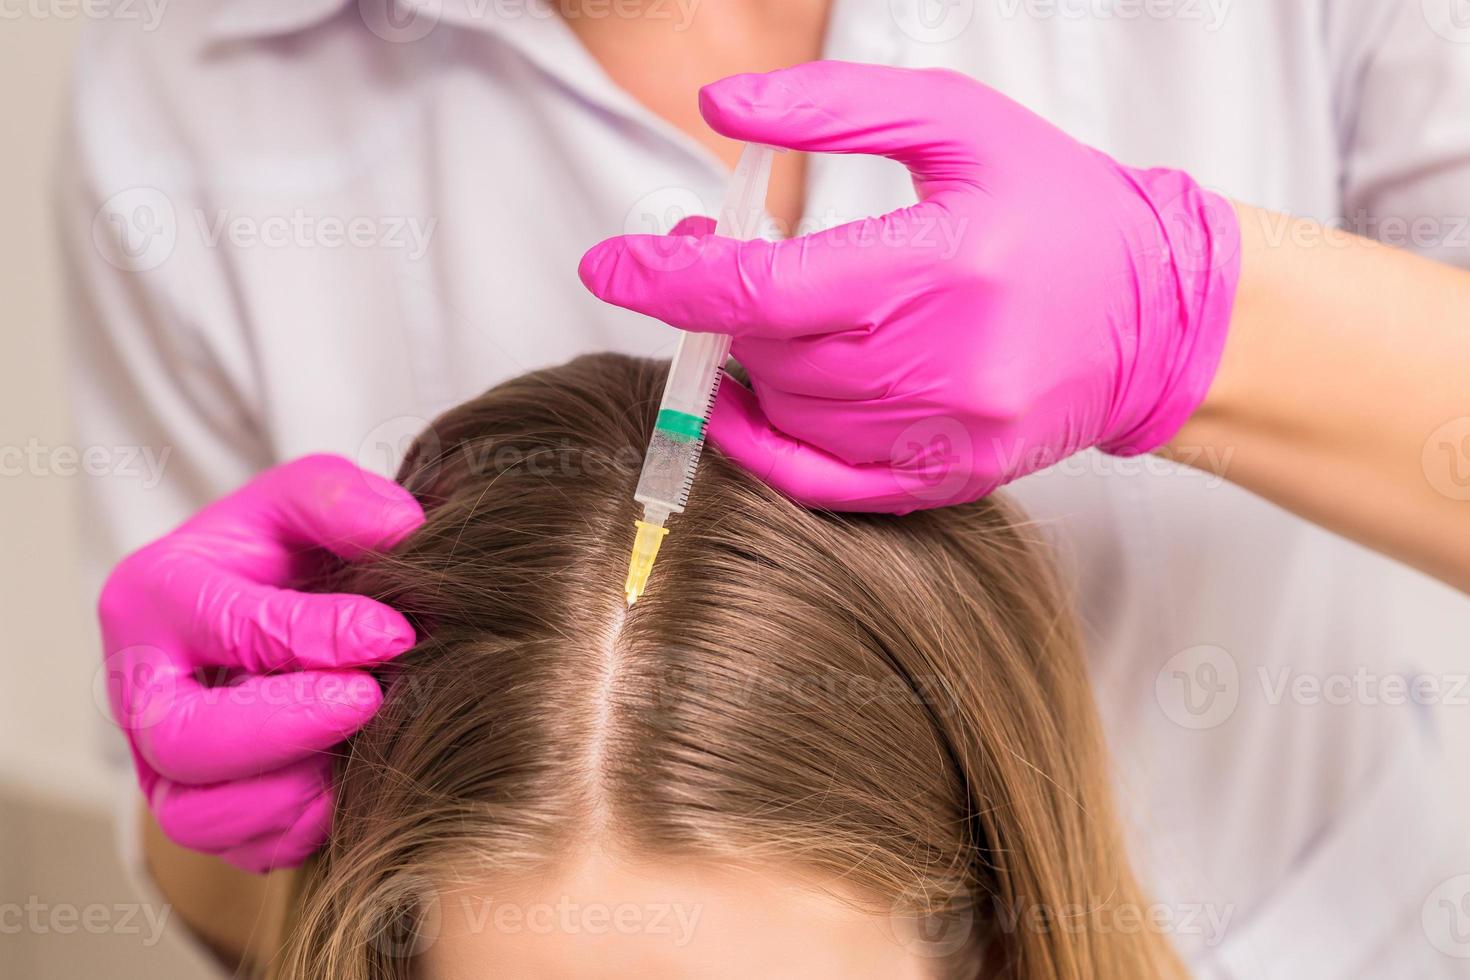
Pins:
<point x="613" y="919"/>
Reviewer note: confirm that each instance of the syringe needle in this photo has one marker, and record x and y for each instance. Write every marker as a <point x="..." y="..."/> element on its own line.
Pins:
<point x="645" y="550"/>
<point x="694" y="375"/>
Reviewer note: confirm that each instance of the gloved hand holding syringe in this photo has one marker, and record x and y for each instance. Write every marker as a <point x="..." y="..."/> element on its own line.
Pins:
<point x="694" y="377"/>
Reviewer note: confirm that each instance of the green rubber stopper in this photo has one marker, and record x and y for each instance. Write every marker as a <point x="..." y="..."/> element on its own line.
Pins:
<point x="680" y="426"/>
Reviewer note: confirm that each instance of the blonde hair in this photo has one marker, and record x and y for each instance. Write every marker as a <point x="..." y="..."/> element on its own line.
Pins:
<point x="897" y="704"/>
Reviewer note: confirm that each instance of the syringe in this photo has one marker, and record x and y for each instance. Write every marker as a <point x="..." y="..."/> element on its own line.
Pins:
<point x="694" y="377"/>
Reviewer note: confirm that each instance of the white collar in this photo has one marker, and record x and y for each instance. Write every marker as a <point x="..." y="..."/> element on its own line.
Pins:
<point x="531" y="26"/>
<point x="245" y="20"/>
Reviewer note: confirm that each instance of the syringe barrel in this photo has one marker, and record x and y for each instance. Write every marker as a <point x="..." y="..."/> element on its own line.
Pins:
<point x="678" y="435"/>
<point x="699" y="360"/>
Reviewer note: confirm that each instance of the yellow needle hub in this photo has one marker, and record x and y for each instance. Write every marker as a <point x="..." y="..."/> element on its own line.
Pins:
<point x="645" y="550"/>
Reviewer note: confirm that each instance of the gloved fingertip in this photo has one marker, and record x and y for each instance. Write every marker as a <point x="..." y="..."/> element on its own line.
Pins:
<point x="697" y="225"/>
<point x="363" y="692"/>
<point x="346" y="708"/>
<point x="713" y="99"/>
<point x="766" y="107"/>
<point x="400" y="519"/>
<point x="733" y="103"/>
<point x="651" y="274"/>
<point x="594" y="262"/>
<point x="389" y="514"/>
<point x="607" y="269"/>
<point x="377" y="633"/>
<point x="301" y="840"/>
<point x="331" y="502"/>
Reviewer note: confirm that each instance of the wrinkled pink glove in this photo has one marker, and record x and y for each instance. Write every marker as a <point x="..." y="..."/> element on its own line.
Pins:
<point x="240" y="770"/>
<point x="1040" y="298"/>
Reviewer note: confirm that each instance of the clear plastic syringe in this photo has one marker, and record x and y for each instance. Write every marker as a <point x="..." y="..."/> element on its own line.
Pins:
<point x="694" y="376"/>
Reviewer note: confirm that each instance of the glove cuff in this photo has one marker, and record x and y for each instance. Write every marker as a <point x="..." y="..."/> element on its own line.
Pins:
<point x="1187" y="283"/>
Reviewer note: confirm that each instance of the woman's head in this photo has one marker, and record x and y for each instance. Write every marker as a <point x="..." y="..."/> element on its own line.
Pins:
<point x="819" y="746"/>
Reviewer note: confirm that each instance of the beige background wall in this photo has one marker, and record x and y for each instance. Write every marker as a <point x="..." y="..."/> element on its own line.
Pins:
<point x="41" y="663"/>
<point x="66" y="910"/>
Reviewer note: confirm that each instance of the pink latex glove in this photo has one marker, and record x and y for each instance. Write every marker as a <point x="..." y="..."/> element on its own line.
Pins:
<point x="1040" y="298"/>
<point x="240" y="770"/>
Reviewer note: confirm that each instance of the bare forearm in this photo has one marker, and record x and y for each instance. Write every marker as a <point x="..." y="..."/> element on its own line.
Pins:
<point x="1344" y="391"/>
<point x="236" y="915"/>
